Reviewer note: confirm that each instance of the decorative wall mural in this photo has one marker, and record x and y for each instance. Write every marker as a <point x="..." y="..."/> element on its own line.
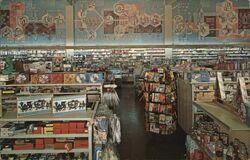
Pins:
<point x="214" y="21"/>
<point x="113" y="22"/>
<point x="32" y="22"/>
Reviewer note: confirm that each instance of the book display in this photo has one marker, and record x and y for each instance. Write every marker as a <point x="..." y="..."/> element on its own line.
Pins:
<point x="160" y="97"/>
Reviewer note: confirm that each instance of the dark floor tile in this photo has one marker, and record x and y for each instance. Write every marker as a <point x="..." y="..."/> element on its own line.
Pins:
<point x="138" y="144"/>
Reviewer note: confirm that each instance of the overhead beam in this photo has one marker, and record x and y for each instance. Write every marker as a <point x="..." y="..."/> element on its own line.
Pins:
<point x="243" y="45"/>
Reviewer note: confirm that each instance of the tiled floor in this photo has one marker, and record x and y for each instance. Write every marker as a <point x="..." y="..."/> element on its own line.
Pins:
<point x="138" y="144"/>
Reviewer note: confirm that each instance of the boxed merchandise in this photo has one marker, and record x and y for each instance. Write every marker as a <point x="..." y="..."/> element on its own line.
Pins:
<point x="48" y="66"/>
<point x="56" y="78"/>
<point x="80" y="78"/>
<point x="69" y="78"/>
<point x="94" y="77"/>
<point x="6" y="145"/>
<point x="47" y="130"/>
<point x="44" y="79"/>
<point x="67" y="67"/>
<point x="80" y="124"/>
<point x="65" y="130"/>
<point x="8" y="130"/>
<point x="39" y="141"/>
<point x="63" y="145"/>
<point x="202" y="76"/>
<point x="49" y="141"/>
<point x="65" y="104"/>
<point x="65" y="125"/>
<point x="37" y="130"/>
<point x="57" y="125"/>
<point x="22" y="78"/>
<point x="80" y="143"/>
<point x="57" y="63"/>
<point x="72" y="125"/>
<point x="4" y="78"/>
<point x="34" y="78"/>
<point x="73" y="130"/>
<point x="39" y="146"/>
<point x="57" y="131"/>
<point x="23" y="146"/>
<point x="81" y="130"/>
<point x="27" y="105"/>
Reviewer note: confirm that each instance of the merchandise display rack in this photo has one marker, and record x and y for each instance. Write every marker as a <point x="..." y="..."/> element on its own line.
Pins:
<point x="85" y="116"/>
<point x="194" y="91"/>
<point x="160" y="96"/>
<point x="229" y="123"/>
<point x="225" y="88"/>
<point x="88" y="116"/>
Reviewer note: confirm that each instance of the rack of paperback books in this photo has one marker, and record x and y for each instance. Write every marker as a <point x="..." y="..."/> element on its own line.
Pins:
<point x="160" y="97"/>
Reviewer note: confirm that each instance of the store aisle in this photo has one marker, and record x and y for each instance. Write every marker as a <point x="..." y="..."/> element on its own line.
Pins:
<point x="138" y="144"/>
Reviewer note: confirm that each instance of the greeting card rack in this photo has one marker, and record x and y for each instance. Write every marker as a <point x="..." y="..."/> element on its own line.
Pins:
<point x="160" y="96"/>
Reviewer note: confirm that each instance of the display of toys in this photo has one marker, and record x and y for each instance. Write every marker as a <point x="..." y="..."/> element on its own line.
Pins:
<point x="64" y="104"/>
<point x="57" y="64"/>
<point x="56" y="78"/>
<point x="44" y="79"/>
<point x="27" y="105"/>
<point x="34" y="78"/>
<point x="48" y="67"/>
<point x="94" y="77"/>
<point x="69" y="78"/>
<point x="80" y="78"/>
<point x="22" y="78"/>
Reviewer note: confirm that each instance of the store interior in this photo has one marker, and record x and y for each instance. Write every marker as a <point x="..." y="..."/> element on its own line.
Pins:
<point x="125" y="80"/>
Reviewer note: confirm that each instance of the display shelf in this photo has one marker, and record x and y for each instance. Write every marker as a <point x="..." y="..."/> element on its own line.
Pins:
<point x="201" y="83"/>
<point x="59" y="93"/>
<point x="205" y="150"/>
<point x="75" y="116"/>
<point x="44" y="151"/>
<point x="26" y="136"/>
<point x="203" y="90"/>
<point x="222" y="116"/>
<point x="45" y="85"/>
<point x="159" y="113"/>
<point x="155" y="92"/>
<point x="230" y="82"/>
